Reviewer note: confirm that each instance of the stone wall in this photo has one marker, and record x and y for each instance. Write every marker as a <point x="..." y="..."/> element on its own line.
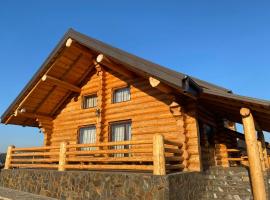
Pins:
<point x="229" y="183"/>
<point x="75" y="185"/>
<point x="84" y="185"/>
<point x="186" y="186"/>
<point x="215" y="183"/>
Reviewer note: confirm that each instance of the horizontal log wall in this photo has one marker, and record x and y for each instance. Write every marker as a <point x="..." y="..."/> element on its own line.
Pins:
<point x="223" y="142"/>
<point x="148" y="110"/>
<point x="193" y="137"/>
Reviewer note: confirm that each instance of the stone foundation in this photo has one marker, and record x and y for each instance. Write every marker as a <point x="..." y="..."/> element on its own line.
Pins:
<point x="215" y="183"/>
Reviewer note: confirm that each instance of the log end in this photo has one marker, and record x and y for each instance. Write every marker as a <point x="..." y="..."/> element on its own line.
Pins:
<point x="245" y="112"/>
<point x="68" y="42"/>
<point x="44" y="78"/>
<point x="153" y="82"/>
<point x="99" y="58"/>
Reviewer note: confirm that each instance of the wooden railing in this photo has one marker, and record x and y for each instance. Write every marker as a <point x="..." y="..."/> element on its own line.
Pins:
<point x="236" y="156"/>
<point x="158" y="155"/>
<point x="231" y="157"/>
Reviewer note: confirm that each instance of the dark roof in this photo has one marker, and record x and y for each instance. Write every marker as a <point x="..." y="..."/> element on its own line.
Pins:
<point x="133" y="62"/>
<point x="136" y="63"/>
<point x="209" y="92"/>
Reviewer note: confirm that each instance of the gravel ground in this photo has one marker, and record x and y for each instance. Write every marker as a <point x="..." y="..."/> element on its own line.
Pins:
<point x="9" y="194"/>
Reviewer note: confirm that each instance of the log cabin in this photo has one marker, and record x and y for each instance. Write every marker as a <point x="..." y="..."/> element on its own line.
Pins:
<point x="101" y="108"/>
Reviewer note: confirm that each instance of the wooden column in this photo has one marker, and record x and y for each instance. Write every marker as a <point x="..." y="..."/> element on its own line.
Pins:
<point x="264" y="149"/>
<point x="256" y="173"/>
<point x="62" y="156"/>
<point x="8" y="157"/>
<point x="158" y="155"/>
<point x="100" y="94"/>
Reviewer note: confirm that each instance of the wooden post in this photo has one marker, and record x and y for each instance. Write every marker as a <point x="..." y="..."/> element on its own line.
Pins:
<point x="261" y="154"/>
<point x="256" y="173"/>
<point x="62" y="156"/>
<point x="8" y="157"/>
<point x="158" y="155"/>
<point x="264" y="149"/>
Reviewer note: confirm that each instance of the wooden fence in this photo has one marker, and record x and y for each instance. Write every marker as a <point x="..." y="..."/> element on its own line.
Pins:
<point x="158" y="156"/>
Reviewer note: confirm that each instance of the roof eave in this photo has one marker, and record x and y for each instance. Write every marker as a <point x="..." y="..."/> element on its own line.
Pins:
<point x="10" y="110"/>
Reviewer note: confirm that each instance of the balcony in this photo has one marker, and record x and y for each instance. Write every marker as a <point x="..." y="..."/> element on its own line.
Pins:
<point x="158" y="156"/>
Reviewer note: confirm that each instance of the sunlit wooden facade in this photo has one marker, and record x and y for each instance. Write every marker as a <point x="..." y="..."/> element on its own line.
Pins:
<point x="102" y="108"/>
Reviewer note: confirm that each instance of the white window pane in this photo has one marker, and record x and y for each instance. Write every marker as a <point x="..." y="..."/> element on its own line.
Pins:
<point x="121" y="95"/>
<point x="90" y="101"/>
<point x="88" y="136"/>
<point x="121" y="132"/>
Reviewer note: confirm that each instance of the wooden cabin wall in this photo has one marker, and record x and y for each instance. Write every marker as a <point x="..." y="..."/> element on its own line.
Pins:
<point x="224" y="141"/>
<point x="46" y="126"/>
<point x="193" y="137"/>
<point x="148" y="111"/>
<point x="214" y="152"/>
<point x="207" y="144"/>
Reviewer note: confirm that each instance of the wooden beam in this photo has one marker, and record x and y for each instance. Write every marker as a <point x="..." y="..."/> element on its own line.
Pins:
<point x="32" y="115"/>
<point x="101" y="59"/>
<point x="234" y="133"/>
<point x="35" y="86"/>
<point x="255" y="167"/>
<point x="155" y="83"/>
<point x="9" y="118"/>
<point x="61" y="83"/>
<point x="67" y="72"/>
<point x="82" y="80"/>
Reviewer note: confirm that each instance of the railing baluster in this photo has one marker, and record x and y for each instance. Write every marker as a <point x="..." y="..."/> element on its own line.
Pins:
<point x="158" y="155"/>
<point x="8" y="157"/>
<point x="62" y="156"/>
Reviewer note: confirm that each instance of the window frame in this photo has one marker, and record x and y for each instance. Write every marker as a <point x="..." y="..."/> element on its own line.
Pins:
<point x="79" y="132"/>
<point x="128" y="121"/>
<point x="124" y="122"/>
<point x="119" y="88"/>
<point x="83" y="100"/>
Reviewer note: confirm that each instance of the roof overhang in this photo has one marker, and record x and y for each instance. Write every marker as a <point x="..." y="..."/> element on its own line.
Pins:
<point x="219" y="99"/>
<point x="228" y="105"/>
<point x="90" y="48"/>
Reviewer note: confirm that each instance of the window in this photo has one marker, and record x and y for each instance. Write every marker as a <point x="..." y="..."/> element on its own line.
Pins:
<point x="87" y="135"/>
<point x="89" y="101"/>
<point x="121" y="132"/>
<point x="122" y="94"/>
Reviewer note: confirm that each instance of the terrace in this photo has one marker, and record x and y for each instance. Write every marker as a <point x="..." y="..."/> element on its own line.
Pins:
<point x="157" y="156"/>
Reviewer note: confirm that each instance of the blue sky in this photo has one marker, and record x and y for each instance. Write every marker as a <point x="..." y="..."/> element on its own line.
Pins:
<point x="224" y="42"/>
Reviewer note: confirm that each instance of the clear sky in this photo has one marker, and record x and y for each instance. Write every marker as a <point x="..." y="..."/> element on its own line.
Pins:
<point x="226" y="42"/>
